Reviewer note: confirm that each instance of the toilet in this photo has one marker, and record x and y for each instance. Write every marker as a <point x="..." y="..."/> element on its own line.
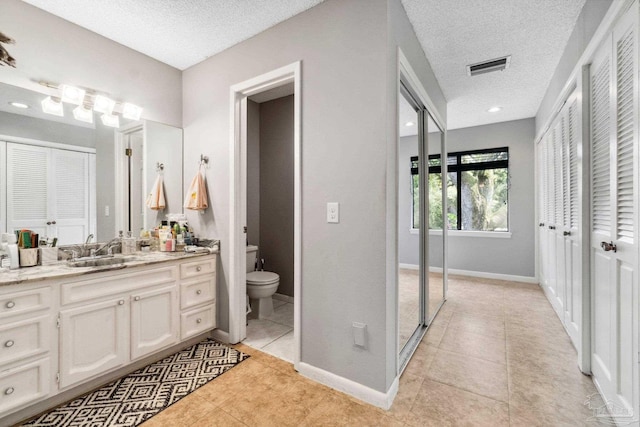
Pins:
<point x="261" y="285"/>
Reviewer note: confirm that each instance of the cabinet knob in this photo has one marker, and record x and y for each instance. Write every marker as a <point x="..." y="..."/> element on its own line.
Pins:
<point x="9" y="343"/>
<point x="136" y="298"/>
<point x="121" y="302"/>
<point x="198" y="320"/>
<point x="567" y="233"/>
<point x="53" y="222"/>
<point x="10" y="304"/>
<point x="198" y="292"/>
<point x="9" y="391"/>
<point x="48" y="222"/>
<point x="552" y="227"/>
<point x="198" y="268"/>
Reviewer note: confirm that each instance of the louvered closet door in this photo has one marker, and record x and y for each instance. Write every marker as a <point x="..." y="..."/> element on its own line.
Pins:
<point x="542" y="206"/>
<point x="27" y="188"/>
<point x="551" y="214"/>
<point x="70" y="195"/>
<point x="571" y="226"/>
<point x="559" y="290"/>
<point x="614" y="134"/>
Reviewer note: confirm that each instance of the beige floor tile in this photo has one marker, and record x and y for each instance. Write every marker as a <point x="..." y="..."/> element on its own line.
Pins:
<point x="434" y="335"/>
<point x="338" y="410"/>
<point x="407" y="393"/>
<point x="182" y="413"/>
<point x="481" y="325"/>
<point x="443" y="405"/>
<point x="217" y="418"/>
<point x="422" y="358"/>
<point x="478" y="376"/>
<point x="475" y="345"/>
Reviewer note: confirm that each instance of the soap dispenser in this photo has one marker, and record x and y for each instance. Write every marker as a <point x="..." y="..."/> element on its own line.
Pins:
<point x="10" y="247"/>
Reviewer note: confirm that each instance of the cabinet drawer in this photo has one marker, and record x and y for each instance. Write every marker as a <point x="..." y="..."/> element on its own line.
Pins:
<point x="25" y="384"/>
<point x="115" y="284"/>
<point x="197" y="268"/>
<point x="197" y="291"/>
<point x="24" y="302"/>
<point x="24" y="339"/>
<point x="196" y="321"/>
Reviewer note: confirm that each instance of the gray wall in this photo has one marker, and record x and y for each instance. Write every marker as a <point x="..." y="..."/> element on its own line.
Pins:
<point x="46" y="130"/>
<point x="515" y="255"/>
<point x="586" y="25"/>
<point x="276" y="189"/>
<point x="344" y="269"/>
<point x="253" y="173"/>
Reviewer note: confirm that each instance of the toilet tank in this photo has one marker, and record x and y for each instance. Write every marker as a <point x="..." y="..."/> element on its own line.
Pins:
<point x="252" y="254"/>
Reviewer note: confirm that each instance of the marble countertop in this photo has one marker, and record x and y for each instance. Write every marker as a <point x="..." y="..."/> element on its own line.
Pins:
<point x="62" y="269"/>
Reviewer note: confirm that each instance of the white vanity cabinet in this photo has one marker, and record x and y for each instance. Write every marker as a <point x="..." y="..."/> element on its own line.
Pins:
<point x="114" y="318"/>
<point x="26" y="352"/>
<point x="61" y="335"/>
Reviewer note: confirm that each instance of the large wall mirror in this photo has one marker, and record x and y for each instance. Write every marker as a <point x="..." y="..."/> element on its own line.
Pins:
<point x="68" y="179"/>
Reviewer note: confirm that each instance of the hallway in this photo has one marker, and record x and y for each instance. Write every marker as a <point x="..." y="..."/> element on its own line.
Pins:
<point x="496" y="355"/>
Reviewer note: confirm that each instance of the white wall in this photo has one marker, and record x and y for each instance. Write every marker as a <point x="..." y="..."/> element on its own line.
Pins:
<point x="51" y="49"/>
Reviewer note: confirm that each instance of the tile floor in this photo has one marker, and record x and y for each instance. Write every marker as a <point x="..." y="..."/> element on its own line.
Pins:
<point x="408" y="300"/>
<point x="273" y="335"/>
<point x="496" y="355"/>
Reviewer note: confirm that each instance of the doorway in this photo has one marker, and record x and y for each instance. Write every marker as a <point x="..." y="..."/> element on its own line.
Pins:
<point x="270" y="85"/>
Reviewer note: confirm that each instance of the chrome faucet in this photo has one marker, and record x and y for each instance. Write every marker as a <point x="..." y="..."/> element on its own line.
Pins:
<point x="109" y="246"/>
<point x="89" y="237"/>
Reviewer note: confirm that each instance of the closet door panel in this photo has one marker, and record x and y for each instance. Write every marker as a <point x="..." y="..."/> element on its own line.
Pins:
<point x="28" y="187"/>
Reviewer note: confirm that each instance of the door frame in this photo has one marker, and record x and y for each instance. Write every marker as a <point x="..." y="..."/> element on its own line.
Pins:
<point x="121" y="172"/>
<point x="407" y="76"/>
<point x="238" y="190"/>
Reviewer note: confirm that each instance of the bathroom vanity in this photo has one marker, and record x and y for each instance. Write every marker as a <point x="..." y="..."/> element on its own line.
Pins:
<point x="65" y="330"/>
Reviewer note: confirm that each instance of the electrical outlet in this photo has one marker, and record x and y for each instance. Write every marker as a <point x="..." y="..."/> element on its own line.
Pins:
<point x="333" y="213"/>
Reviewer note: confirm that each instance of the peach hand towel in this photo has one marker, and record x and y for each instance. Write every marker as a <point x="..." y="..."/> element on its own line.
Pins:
<point x="155" y="199"/>
<point x="197" y="194"/>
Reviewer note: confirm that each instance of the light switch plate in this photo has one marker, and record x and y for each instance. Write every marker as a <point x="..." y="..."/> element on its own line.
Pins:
<point x="333" y="212"/>
<point x="106" y="210"/>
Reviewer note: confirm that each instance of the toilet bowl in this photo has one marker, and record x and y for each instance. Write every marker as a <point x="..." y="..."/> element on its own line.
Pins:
<point x="261" y="285"/>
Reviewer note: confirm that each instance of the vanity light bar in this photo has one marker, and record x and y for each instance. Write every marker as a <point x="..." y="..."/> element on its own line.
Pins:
<point x="83" y="114"/>
<point x="110" y="120"/>
<point x="51" y="106"/>
<point x="102" y="104"/>
<point x="72" y="94"/>
<point x="130" y="111"/>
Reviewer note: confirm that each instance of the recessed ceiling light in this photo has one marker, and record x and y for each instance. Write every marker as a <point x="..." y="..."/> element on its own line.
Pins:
<point x="409" y="124"/>
<point x="18" y="105"/>
<point x="494" y="109"/>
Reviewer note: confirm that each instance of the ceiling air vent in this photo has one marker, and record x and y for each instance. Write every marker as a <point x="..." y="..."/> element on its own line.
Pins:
<point x="498" y="64"/>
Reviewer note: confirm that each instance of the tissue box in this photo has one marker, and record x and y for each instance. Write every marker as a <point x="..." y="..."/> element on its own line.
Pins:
<point x="28" y="257"/>
<point x="48" y="256"/>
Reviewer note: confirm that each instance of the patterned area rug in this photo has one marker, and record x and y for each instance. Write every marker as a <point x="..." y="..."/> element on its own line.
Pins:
<point x="133" y="399"/>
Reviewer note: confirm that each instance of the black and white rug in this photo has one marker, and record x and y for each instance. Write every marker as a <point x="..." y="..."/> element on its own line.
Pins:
<point x="133" y="399"/>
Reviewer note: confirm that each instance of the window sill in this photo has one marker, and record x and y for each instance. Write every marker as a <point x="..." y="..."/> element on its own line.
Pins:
<point x="483" y="234"/>
<point x="414" y="230"/>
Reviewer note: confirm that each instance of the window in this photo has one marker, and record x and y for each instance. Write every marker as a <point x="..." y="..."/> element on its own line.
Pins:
<point x="477" y="190"/>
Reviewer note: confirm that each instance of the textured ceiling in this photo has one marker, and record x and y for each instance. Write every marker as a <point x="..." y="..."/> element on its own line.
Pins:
<point x="454" y="33"/>
<point x="180" y="33"/>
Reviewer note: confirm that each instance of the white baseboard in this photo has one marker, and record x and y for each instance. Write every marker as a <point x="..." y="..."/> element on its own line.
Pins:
<point x="352" y="388"/>
<point x="282" y="297"/>
<point x="220" y="335"/>
<point x="480" y="274"/>
<point x="485" y="275"/>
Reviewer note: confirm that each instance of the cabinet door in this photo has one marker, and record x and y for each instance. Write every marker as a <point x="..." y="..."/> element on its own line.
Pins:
<point x="93" y="340"/>
<point x="154" y="320"/>
<point x="28" y="188"/>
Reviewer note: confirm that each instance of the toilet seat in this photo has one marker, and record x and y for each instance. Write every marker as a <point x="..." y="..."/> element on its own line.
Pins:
<point x="262" y="278"/>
